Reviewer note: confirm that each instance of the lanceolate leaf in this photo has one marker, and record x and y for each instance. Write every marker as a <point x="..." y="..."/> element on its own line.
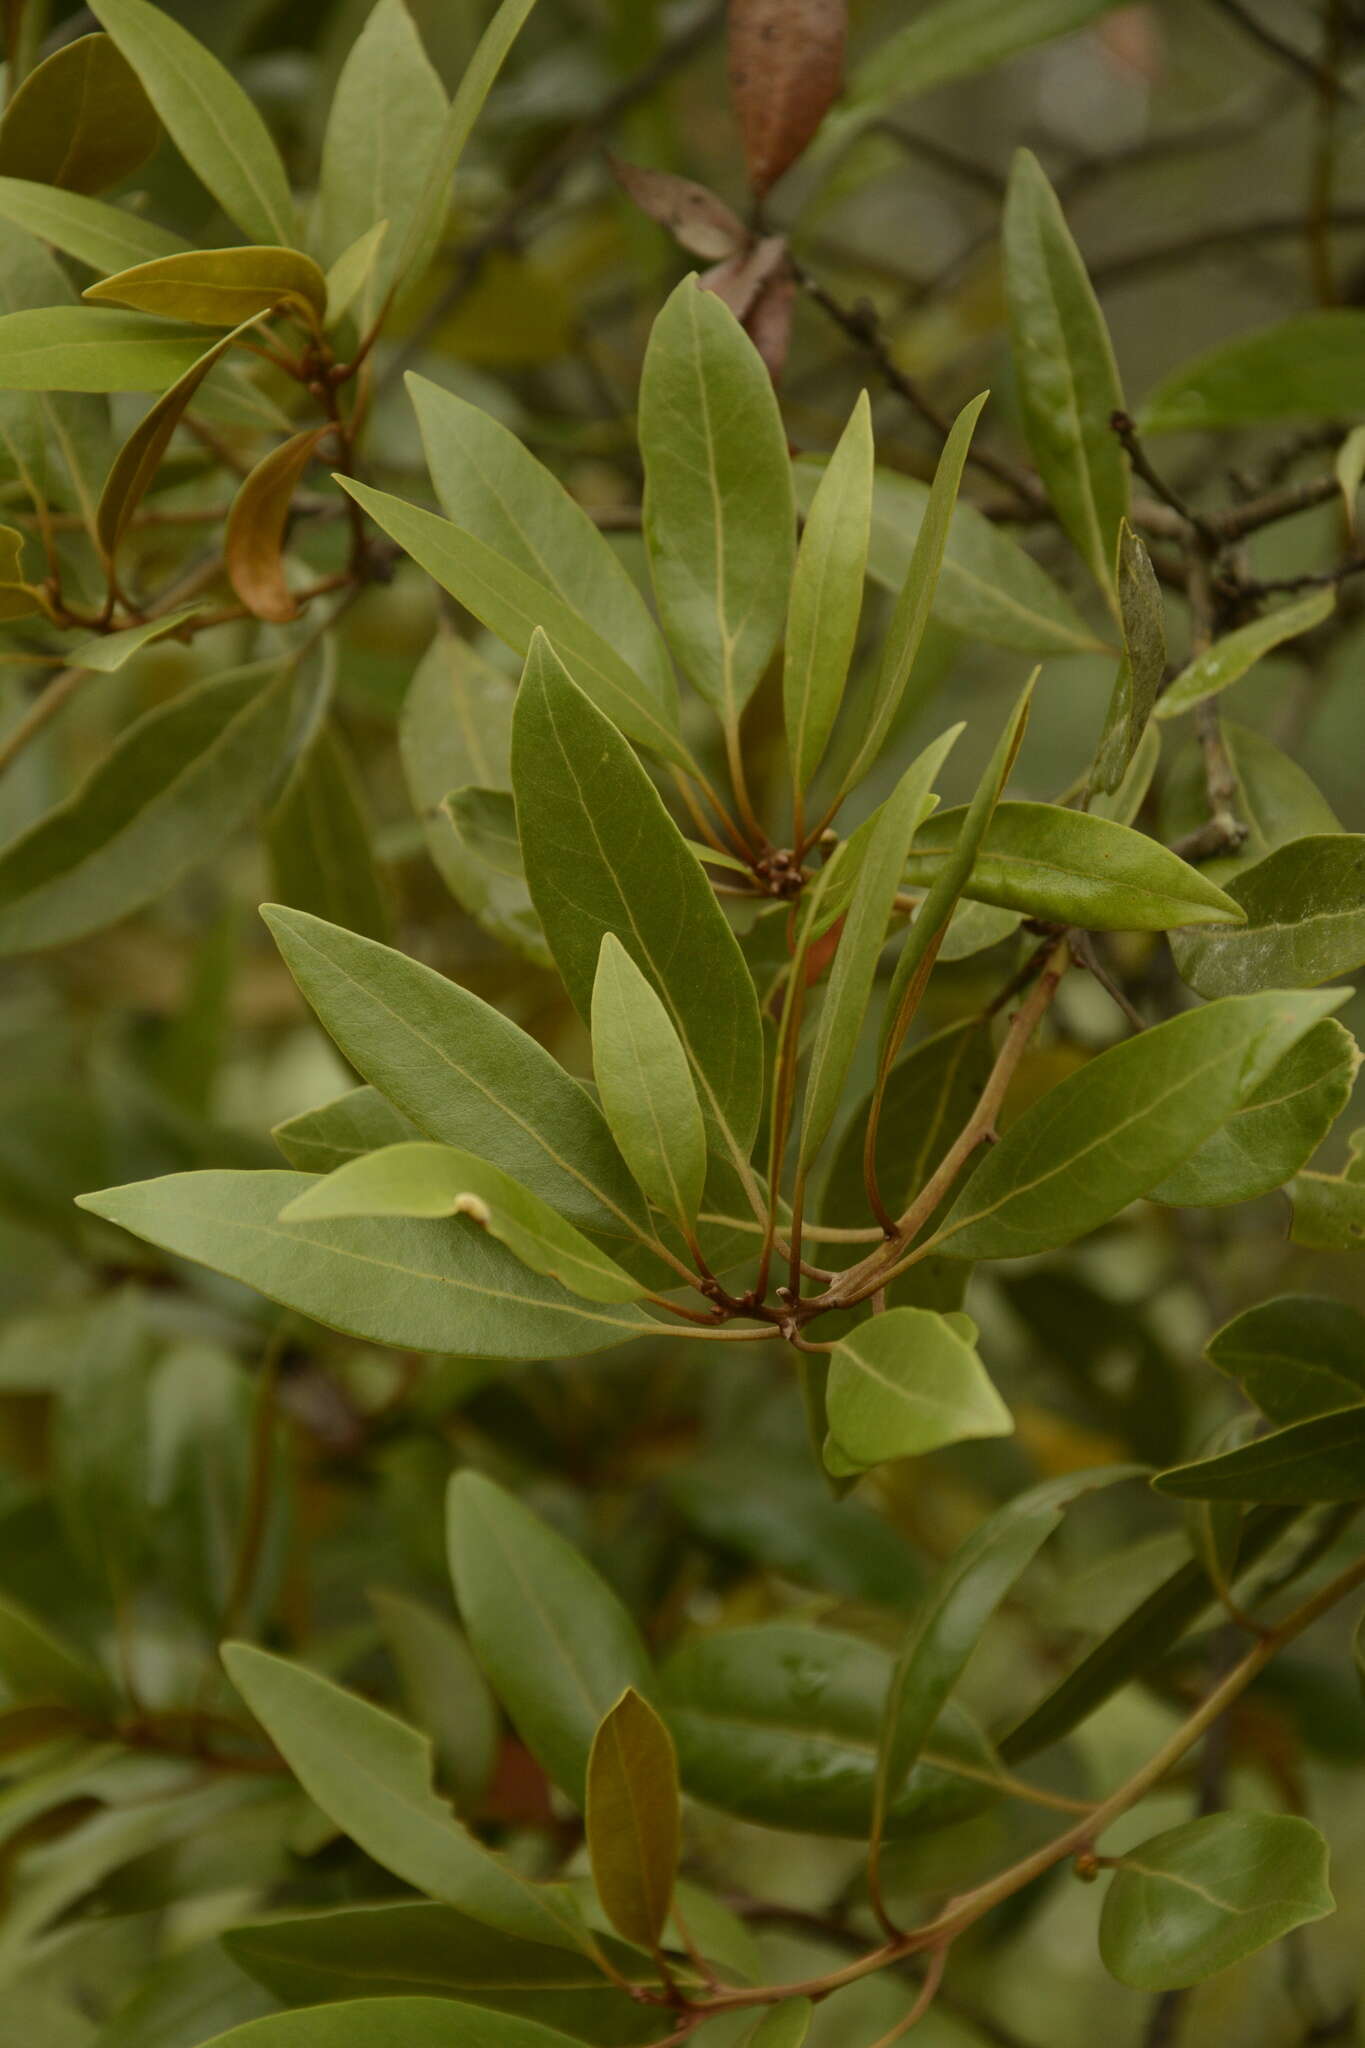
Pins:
<point x="930" y="1094"/>
<point x="36" y="1665"/>
<point x="105" y="653"/>
<point x="445" y="1693"/>
<point x="1296" y="1356"/>
<point x="219" y="287"/>
<point x="93" y="348"/>
<point x="907" y="1382"/>
<point x="383" y="131"/>
<point x="1304" y="912"/>
<point x="394" y="2023"/>
<point x="553" y="1639"/>
<point x="720" y="519"/>
<point x="352" y="273"/>
<point x="1300" y="369"/>
<point x="1319" y="1459"/>
<point x="322" y="854"/>
<point x="319" y="1140"/>
<point x="438" y="1180"/>
<point x="646" y="1088"/>
<point x="583" y="798"/>
<point x="444" y="1287"/>
<point x="1073" y="867"/>
<point x="957" y="38"/>
<point x="786" y="67"/>
<point x="80" y="122"/>
<point x="137" y="462"/>
<point x="176" y="787"/>
<point x="1200" y="1897"/>
<point x="207" y="115"/>
<point x="493" y="488"/>
<point x="634" y="1819"/>
<point x="461" y="1071"/>
<point x="916" y="600"/>
<point x="1068" y="380"/>
<point x="253" y="545"/>
<point x="1231" y="657"/>
<point x="864" y="935"/>
<point x="105" y="237"/>
<point x="1142" y="666"/>
<point x="515" y="605"/>
<point x="1279" y="1128"/>
<point x="1115" y="1129"/>
<point x="371" y="1774"/>
<point x="827" y="596"/>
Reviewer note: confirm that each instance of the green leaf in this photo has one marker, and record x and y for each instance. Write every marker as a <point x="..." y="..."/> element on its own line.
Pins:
<point x="1072" y="867"/>
<point x="419" y="1286"/>
<point x="172" y="792"/>
<point x="1278" y="1128"/>
<point x="207" y="115"/>
<point x="1350" y="473"/>
<point x="437" y="1180"/>
<point x="322" y="856"/>
<point x="1319" y="1459"/>
<point x="360" y="1121"/>
<point x="1296" y="1356"/>
<point x="371" y="1774"/>
<point x="1142" y="668"/>
<point x="445" y="1693"/>
<point x="138" y="460"/>
<point x="1272" y="797"/>
<point x="219" y="287"/>
<point x="951" y="1619"/>
<point x="860" y="945"/>
<point x="634" y="1819"/>
<point x="929" y="1096"/>
<point x="1329" y="1209"/>
<point x="456" y="730"/>
<point x="906" y="1382"/>
<point x="1068" y="380"/>
<point x="199" y="1987"/>
<point x="987" y="587"/>
<point x="106" y="653"/>
<point x="1201" y="1897"/>
<point x="905" y="633"/>
<point x="100" y="1449"/>
<point x="352" y="273"/>
<point x="494" y="489"/>
<point x="957" y="38"/>
<point x="106" y="238"/>
<point x="552" y="1638"/>
<point x="80" y="121"/>
<point x="1229" y="659"/>
<point x="1305" y="368"/>
<point x="480" y="75"/>
<point x="827" y="596"/>
<point x="383" y="131"/>
<point x="93" y="348"/>
<point x="461" y="1071"/>
<point x="645" y="1087"/>
<point x="783" y="2026"/>
<point x="486" y="820"/>
<point x="393" y="1950"/>
<point x="778" y="1725"/>
<point x="1116" y="1128"/>
<point x="394" y="2023"/>
<point x="38" y="1666"/>
<point x="1304" y="912"/>
<point x="515" y="606"/>
<point x="720" y="518"/>
<point x="583" y="798"/>
<point x="1123" y="804"/>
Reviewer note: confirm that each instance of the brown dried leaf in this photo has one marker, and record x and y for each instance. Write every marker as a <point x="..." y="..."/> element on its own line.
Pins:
<point x="786" y="70"/>
<point x="700" y="222"/>
<point x="254" y="548"/>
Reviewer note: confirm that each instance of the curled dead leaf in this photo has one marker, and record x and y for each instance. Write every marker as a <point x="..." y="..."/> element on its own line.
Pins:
<point x="256" y="526"/>
<point x="698" y="221"/>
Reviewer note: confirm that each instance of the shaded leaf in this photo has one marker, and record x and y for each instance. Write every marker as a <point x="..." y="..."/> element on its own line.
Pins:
<point x="1319" y="1459"/>
<point x="37" y="1665"/>
<point x="518" y="1583"/>
<point x="80" y="120"/>
<point x="93" y="348"/>
<point x="906" y="1382"/>
<point x="360" y="1121"/>
<point x="1068" y="380"/>
<point x="634" y="1819"/>
<point x="486" y="821"/>
<point x="1304" y="368"/>
<point x="106" y="653"/>
<point x="827" y="596"/>
<point x="645" y="1087"/>
<point x="207" y="115"/>
<point x="1329" y="1209"/>
<point x="174" y="789"/>
<point x="1113" y="1130"/>
<point x="1304" y="921"/>
<point x="1273" y="798"/>
<point x="322" y="854"/>
<point x="580" y="787"/>
<point x="253" y="546"/>
<point x="786" y="62"/>
<point x="1192" y="1901"/>
<point x="929" y="1096"/>
<point x="1229" y="659"/>
<point x="1142" y="666"/>
<point x="1296" y="1356"/>
<point x="445" y="1692"/>
<point x="394" y="2023"/>
<point x="957" y="38"/>
<point x="442" y="1287"/>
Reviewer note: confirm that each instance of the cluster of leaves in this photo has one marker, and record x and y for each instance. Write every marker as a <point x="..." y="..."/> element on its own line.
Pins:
<point x="831" y="1061"/>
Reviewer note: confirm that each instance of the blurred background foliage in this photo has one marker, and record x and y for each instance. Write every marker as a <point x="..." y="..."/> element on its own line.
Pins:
<point x="179" y="1460"/>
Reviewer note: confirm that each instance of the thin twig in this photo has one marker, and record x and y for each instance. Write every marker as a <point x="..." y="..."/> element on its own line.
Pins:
<point x="1274" y="44"/>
